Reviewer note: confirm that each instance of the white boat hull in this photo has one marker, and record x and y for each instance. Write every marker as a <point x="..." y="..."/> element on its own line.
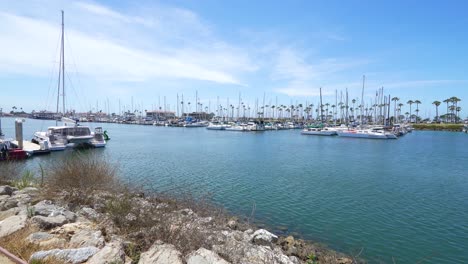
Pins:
<point x="319" y="133"/>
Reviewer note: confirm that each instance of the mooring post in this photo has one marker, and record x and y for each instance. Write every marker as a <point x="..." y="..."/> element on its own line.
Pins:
<point x="19" y="132"/>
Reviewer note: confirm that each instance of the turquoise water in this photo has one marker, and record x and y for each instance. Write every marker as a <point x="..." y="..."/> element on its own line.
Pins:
<point x="405" y="198"/>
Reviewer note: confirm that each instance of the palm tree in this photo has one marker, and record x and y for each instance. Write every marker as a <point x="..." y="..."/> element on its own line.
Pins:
<point x="458" y="109"/>
<point x="395" y="100"/>
<point x="399" y="110"/>
<point x="436" y="103"/>
<point x="455" y="101"/>
<point x="417" y="102"/>
<point x="410" y="102"/>
<point x="447" y="101"/>
<point x="407" y="115"/>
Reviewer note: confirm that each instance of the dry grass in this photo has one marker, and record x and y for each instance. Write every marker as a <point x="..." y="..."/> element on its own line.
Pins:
<point x="76" y="178"/>
<point x="16" y="243"/>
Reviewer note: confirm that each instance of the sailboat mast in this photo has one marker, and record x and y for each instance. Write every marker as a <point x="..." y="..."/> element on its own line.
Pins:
<point x="63" y="63"/>
<point x="321" y="107"/>
<point x="362" y="96"/>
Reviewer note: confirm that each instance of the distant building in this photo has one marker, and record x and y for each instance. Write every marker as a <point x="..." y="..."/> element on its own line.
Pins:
<point x="200" y="115"/>
<point x="44" y="115"/>
<point x="160" y="115"/>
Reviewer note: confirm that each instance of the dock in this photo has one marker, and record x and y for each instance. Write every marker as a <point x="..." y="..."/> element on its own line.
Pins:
<point x="31" y="147"/>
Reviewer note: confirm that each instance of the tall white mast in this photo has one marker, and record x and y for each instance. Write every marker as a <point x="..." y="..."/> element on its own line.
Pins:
<point x="63" y="63"/>
<point x="362" y="96"/>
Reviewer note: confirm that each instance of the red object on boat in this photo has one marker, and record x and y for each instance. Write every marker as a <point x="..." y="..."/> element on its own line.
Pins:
<point x="17" y="154"/>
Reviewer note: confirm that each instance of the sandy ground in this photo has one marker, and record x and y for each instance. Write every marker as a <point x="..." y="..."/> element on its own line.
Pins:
<point x="5" y="260"/>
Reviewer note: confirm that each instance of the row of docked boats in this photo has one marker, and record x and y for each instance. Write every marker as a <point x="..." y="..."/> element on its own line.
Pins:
<point x="373" y="132"/>
<point x="242" y="127"/>
<point x="54" y="139"/>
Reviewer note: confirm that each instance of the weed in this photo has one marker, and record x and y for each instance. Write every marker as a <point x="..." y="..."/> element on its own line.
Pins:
<point x="26" y="180"/>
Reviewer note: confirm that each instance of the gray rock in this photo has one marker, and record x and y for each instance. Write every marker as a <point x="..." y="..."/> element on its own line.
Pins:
<point x="111" y="253"/>
<point x="205" y="256"/>
<point x="87" y="238"/>
<point x="161" y="253"/>
<point x="245" y="252"/>
<point x="263" y="237"/>
<point x="47" y="208"/>
<point x="78" y="255"/>
<point x="55" y="242"/>
<point x="10" y="212"/>
<point x="23" y="199"/>
<point x="50" y="222"/>
<point x="29" y="190"/>
<point x="8" y="204"/>
<point x="12" y="224"/>
<point x="89" y="213"/>
<point x="39" y="237"/>
<point x="232" y="224"/>
<point x="295" y="259"/>
<point x="6" y="190"/>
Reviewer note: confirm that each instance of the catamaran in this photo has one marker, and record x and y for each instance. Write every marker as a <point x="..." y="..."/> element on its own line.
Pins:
<point x="71" y="134"/>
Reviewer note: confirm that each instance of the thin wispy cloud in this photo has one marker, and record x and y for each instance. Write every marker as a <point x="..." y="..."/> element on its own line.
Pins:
<point x="304" y="78"/>
<point x="100" y="56"/>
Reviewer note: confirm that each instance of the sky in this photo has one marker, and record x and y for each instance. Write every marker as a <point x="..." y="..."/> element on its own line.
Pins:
<point x="146" y="51"/>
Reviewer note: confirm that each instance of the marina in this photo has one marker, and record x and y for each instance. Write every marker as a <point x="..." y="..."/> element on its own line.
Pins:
<point x="316" y="186"/>
<point x="242" y="132"/>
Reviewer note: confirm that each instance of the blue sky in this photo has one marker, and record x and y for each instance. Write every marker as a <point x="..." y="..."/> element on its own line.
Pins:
<point x="148" y="50"/>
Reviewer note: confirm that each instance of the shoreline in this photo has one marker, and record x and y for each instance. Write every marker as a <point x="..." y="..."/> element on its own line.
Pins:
<point x="439" y="127"/>
<point x="104" y="221"/>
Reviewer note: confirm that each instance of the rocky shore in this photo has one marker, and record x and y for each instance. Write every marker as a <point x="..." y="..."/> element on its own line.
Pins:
<point x="131" y="228"/>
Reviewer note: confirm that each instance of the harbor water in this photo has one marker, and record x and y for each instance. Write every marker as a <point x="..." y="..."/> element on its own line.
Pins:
<point x="402" y="200"/>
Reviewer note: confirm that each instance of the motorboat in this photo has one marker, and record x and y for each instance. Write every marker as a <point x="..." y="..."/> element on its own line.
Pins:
<point x="366" y="133"/>
<point x="196" y="124"/>
<point x="9" y="151"/>
<point x="216" y="126"/>
<point x="325" y="131"/>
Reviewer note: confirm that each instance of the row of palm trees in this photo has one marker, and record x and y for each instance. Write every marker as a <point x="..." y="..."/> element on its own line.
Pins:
<point x="453" y="110"/>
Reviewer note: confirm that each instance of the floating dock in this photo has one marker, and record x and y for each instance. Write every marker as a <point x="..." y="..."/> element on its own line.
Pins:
<point x="30" y="147"/>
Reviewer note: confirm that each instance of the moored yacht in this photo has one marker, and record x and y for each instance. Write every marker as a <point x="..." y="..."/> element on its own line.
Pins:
<point x="62" y="137"/>
<point x="325" y="131"/>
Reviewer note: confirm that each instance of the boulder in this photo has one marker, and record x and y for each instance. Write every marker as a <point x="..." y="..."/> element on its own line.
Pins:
<point x="246" y="252"/>
<point x="47" y="208"/>
<point x="89" y="213"/>
<point x="28" y="190"/>
<point x="10" y="212"/>
<point x="263" y="237"/>
<point x="47" y="223"/>
<point x="6" y="190"/>
<point x="39" y="237"/>
<point x="54" y="242"/>
<point x="161" y="253"/>
<point x="71" y="228"/>
<point x="205" y="256"/>
<point x="77" y="255"/>
<point x="232" y="224"/>
<point x="87" y="238"/>
<point x="8" y="203"/>
<point x="111" y="253"/>
<point x="12" y="224"/>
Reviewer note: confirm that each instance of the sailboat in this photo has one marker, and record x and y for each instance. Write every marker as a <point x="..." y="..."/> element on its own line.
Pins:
<point x="71" y="134"/>
<point x="362" y="132"/>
